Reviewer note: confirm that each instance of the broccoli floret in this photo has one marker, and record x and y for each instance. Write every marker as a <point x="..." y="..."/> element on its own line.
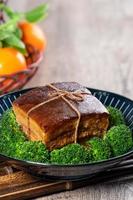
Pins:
<point x="10" y="133"/>
<point x="10" y="128"/>
<point x="7" y="147"/>
<point x="14" y="143"/>
<point x="98" y="149"/>
<point x="115" y="116"/>
<point x="70" y="154"/>
<point x="33" y="151"/>
<point x="119" y="139"/>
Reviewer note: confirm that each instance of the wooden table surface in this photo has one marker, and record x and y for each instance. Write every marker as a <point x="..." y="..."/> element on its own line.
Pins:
<point x="91" y="42"/>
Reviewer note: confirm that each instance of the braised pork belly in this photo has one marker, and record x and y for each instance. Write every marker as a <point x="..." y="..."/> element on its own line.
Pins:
<point x="45" y="116"/>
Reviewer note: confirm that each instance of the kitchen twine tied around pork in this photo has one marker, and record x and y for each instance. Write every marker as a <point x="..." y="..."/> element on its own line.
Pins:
<point x="76" y="96"/>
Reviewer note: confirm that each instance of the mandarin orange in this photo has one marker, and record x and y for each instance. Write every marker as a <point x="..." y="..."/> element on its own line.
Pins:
<point x="11" y="61"/>
<point x="33" y="35"/>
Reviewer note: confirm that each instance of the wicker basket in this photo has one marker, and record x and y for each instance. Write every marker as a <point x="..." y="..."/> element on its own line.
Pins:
<point x="17" y="81"/>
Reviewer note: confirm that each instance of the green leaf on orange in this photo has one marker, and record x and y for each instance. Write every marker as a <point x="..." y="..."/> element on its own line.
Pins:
<point x="15" y="42"/>
<point x="36" y="14"/>
<point x="9" y="12"/>
<point x="8" y="27"/>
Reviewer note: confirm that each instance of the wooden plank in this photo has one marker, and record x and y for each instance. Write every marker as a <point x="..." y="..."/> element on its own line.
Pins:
<point x="21" y="185"/>
<point x="34" y="189"/>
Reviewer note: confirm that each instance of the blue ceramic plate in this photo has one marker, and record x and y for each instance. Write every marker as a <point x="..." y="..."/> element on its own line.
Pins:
<point x="73" y="171"/>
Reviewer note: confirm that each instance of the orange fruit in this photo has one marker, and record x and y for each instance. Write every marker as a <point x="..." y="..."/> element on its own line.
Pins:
<point x="33" y="35"/>
<point x="11" y="61"/>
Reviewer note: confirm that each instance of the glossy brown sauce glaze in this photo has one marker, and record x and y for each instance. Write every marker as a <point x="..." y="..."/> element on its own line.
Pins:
<point x="57" y="113"/>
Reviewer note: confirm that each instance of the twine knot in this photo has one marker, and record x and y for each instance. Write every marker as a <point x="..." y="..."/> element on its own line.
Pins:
<point x="74" y="96"/>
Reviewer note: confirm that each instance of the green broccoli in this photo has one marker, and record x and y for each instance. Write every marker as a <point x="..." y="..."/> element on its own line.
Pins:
<point x="10" y="128"/>
<point x="70" y="154"/>
<point x="32" y="151"/>
<point x="10" y="133"/>
<point x="115" y="116"/>
<point x="14" y="143"/>
<point x="98" y="149"/>
<point x="119" y="139"/>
